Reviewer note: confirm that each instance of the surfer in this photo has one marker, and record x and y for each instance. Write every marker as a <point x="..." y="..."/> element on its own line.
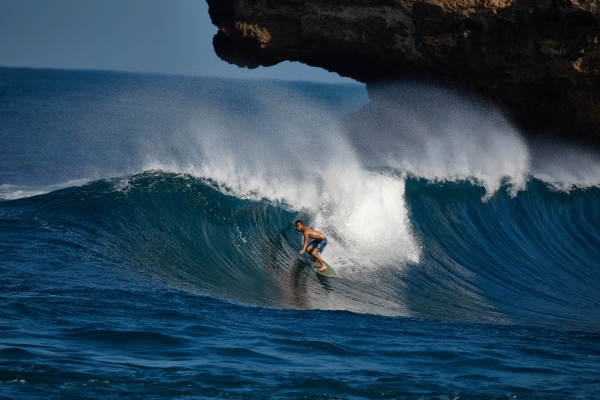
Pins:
<point x="319" y="241"/>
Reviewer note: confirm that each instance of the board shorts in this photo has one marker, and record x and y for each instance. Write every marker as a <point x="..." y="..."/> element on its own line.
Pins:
<point x="318" y="244"/>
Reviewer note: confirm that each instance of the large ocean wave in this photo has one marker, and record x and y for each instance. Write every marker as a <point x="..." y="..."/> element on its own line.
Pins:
<point x="510" y="259"/>
<point x="435" y="206"/>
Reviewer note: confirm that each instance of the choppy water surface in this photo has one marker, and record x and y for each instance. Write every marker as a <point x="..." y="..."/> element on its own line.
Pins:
<point x="146" y="245"/>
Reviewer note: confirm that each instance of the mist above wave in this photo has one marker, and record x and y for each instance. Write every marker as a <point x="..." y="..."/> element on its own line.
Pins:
<point x="67" y="125"/>
<point x="438" y="135"/>
<point x="564" y="166"/>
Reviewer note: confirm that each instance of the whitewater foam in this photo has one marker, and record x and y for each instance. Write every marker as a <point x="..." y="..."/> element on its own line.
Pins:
<point x="287" y="150"/>
<point x="295" y="154"/>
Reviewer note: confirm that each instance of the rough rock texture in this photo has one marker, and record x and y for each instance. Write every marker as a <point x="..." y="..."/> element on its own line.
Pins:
<point x="537" y="59"/>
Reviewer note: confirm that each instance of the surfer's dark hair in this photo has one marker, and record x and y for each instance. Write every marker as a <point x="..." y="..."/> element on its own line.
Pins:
<point x="296" y="223"/>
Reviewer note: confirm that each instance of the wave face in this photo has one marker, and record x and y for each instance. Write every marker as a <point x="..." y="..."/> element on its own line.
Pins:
<point x="147" y="246"/>
<point x="524" y="259"/>
<point x="434" y="205"/>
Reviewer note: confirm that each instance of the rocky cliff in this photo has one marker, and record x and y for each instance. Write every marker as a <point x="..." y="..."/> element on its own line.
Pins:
<point x="538" y="60"/>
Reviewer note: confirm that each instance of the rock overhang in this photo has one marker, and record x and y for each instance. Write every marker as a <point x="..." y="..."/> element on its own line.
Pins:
<point x="538" y="60"/>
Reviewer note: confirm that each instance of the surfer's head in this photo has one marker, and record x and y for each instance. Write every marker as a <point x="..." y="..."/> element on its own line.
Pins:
<point x="299" y="225"/>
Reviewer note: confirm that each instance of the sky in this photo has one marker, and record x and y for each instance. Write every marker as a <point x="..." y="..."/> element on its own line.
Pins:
<point x="154" y="36"/>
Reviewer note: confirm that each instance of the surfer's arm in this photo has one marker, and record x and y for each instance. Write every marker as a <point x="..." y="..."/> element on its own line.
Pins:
<point x="305" y="242"/>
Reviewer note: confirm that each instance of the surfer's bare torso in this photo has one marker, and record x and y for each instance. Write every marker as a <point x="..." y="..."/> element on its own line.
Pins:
<point x="313" y="234"/>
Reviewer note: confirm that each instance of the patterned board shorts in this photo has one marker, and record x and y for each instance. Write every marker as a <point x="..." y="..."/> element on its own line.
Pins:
<point x="318" y="244"/>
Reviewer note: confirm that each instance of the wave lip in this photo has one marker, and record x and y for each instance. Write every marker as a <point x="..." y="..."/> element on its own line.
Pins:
<point x="12" y="192"/>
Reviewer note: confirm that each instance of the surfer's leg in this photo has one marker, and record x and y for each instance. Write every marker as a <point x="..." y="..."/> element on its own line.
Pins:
<point x="309" y="250"/>
<point x="315" y="255"/>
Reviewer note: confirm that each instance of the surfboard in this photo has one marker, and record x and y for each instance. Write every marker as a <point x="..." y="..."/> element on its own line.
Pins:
<point x="328" y="273"/>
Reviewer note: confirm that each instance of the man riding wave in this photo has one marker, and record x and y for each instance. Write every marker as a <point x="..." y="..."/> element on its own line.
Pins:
<point x="319" y="241"/>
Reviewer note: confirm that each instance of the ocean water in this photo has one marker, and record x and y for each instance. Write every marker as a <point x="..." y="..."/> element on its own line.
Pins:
<point x="147" y="250"/>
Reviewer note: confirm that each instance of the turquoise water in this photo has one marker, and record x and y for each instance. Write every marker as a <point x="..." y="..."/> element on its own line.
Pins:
<point x="146" y="248"/>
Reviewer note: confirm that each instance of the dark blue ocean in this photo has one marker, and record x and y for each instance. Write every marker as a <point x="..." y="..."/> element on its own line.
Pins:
<point x="147" y="250"/>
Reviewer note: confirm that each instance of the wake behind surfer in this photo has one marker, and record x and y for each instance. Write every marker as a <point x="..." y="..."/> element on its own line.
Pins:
<point x="319" y="241"/>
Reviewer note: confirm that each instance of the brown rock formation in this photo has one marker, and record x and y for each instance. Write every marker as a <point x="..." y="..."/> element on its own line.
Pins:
<point x="537" y="59"/>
